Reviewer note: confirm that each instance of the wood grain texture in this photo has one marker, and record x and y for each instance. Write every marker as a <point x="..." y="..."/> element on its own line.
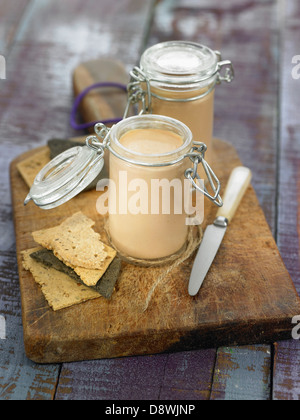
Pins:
<point x="178" y="376"/>
<point x="104" y="103"/>
<point x="241" y="301"/>
<point x="286" y="361"/>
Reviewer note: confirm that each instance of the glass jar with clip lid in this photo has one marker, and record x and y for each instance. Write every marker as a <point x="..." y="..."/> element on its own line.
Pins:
<point x="178" y="79"/>
<point x="153" y="170"/>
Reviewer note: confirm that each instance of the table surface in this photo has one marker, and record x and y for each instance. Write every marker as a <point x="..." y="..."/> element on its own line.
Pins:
<point x="42" y="41"/>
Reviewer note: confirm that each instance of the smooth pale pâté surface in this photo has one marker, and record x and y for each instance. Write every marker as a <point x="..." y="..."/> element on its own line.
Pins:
<point x="151" y="141"/>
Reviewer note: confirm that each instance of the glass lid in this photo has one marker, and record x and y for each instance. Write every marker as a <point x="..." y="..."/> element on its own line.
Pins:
<point x="180" y="62"/>
<point x="65" y="177"/>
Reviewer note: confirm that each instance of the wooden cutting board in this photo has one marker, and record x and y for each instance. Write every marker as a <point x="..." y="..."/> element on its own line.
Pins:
<point x="248" y="296"/>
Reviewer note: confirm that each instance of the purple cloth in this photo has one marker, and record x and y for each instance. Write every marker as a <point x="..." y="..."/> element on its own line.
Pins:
<point x="79" y="98"/>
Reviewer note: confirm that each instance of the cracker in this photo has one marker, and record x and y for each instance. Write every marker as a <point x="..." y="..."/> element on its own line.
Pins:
<point x="30" y="167"/>
<point x="48" y="259"/>
<point x="59" y="289"/>
<point x="91" y="277"/>
<point x="74" y="242"/>
<point x="105" y="286"/>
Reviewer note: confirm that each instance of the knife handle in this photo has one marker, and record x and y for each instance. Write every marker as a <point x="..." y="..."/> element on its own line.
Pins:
<point x="238" y="183"/>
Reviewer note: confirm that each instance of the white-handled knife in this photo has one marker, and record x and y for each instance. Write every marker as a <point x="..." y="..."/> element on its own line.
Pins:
<point x="238" y="183"/>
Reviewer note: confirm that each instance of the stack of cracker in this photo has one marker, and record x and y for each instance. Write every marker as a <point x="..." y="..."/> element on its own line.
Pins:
<point x="72" y="264"/>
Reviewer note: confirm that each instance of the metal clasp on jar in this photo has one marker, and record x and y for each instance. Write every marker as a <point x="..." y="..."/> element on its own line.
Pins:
<point x="227" y="66"/>
<point x="137" y="94"/>
<point x="196" y="155"/>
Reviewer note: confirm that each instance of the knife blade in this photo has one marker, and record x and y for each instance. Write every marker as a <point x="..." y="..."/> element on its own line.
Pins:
<point x="238" y="184"/>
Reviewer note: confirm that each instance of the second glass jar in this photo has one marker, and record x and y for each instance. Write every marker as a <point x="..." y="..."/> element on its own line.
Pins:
<point x="178" y="79"/>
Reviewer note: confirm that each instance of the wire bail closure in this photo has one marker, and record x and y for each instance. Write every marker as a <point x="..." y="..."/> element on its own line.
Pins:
<point x="137" y="94"/>
<point x="196" y="155"/>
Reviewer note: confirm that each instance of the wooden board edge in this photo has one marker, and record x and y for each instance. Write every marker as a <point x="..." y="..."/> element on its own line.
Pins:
<point x="42" y="350"/>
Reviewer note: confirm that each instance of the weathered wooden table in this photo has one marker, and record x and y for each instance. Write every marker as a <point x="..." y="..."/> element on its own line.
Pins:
<point x="42" y="41"/>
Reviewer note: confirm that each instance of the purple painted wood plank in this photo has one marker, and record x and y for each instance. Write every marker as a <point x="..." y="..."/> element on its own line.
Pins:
<point x="116" y="379"/>
<point x="286" y="365"/>
<point x="286" y="381"/>
<point x="179" y="376"/>
<point x="188" y="375"/>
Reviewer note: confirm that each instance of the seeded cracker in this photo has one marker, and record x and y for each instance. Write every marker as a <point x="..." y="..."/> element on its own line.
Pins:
<point x="30" y="167"/>
<point x="59" y="289"/>
<point x="75" y="243"/>
<point x="91" y="277"/>
<point x="105" y="285"/>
